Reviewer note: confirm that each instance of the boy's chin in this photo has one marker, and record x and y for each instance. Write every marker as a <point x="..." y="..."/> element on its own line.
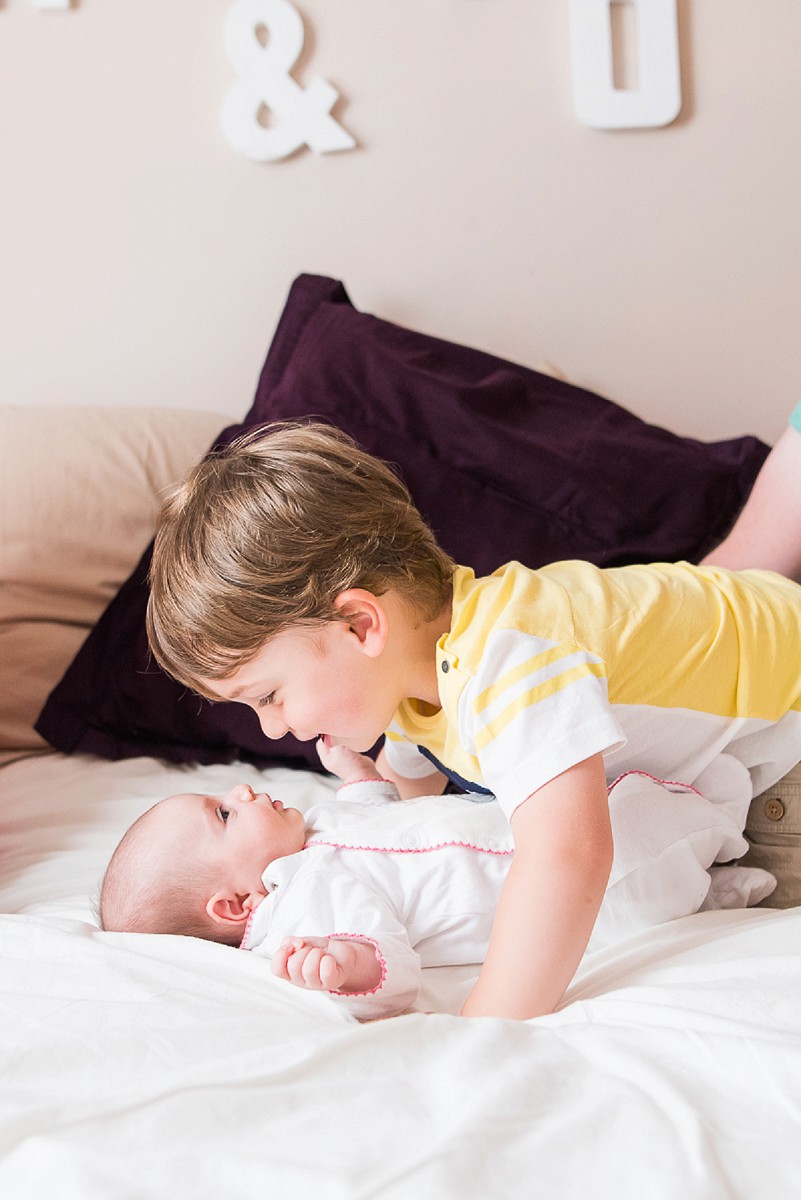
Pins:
<point x="356" y="744"/>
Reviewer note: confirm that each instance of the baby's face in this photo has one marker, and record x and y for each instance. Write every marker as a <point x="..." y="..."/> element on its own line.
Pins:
<point x="240" y="832"/>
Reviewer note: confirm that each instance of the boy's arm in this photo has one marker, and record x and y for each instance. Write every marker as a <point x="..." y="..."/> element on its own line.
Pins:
<point x="428" y="785"/>
<point x="551" y="896"/>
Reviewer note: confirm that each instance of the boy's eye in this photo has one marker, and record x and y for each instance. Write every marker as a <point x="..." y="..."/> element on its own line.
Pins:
<point x="223" y="814"/>
<point x="265" y="700"/>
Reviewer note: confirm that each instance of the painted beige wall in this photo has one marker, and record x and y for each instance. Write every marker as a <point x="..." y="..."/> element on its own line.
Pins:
<point x="142" y="261"/>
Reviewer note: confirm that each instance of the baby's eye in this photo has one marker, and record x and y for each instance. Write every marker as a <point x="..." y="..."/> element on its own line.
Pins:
<point x="265" y="700"/>
<point x="223" y="814"/>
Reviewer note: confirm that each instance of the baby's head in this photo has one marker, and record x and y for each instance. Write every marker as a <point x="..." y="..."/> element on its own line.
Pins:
<point x="267" y="534"/>
<point x="192" y="864"/>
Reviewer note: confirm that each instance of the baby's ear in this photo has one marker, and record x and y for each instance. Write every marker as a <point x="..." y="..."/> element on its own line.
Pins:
<point x="232" y="908"/>
<point x="366" y="617"/>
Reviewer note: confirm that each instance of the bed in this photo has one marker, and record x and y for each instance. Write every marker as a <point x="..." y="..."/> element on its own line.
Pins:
<point x="142" y="1066"/>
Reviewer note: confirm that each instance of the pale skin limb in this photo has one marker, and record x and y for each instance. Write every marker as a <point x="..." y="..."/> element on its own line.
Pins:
<point x="767" y="533"/>
<point x="410" y="789"/>
<point x="551" y="896"/>
<point x="327" y="964"/>
<point x="350" y="766"/>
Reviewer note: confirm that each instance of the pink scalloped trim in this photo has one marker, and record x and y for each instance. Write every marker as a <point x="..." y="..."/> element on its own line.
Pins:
<point x="247" y="928"/>
<point x="407" y="849"/>
<point x="356" y="782"/>
<point x="688" y="787"/>
<point x="382" y="962"/>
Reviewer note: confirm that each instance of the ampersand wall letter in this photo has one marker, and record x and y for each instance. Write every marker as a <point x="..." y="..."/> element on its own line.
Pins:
<point x="299" y="116"/>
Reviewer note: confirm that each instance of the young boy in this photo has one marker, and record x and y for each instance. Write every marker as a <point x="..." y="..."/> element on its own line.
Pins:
<point x="293" y="573"/>
<point x="355" y="896"/>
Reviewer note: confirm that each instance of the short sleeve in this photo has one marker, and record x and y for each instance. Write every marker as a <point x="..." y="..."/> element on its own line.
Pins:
<point x="534" y="709"/>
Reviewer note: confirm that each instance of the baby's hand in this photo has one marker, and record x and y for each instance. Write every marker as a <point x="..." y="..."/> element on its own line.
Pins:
<point x="328" y="964"/>
<point x="306" y="963"/>
<point x="347" y="764"/>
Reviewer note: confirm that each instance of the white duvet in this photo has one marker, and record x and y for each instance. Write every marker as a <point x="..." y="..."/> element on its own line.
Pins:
<point x="139" y="1066"/>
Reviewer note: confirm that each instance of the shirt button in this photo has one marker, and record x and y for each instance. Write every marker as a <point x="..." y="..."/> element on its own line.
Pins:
<point x="445" y="666"/>
<point x="774" y="809"/>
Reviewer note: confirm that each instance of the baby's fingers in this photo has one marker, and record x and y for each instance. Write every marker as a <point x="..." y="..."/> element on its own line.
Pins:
<point x="280" y="959"/>
<point x="300" y="961"/>
<point x="332" y="974"/>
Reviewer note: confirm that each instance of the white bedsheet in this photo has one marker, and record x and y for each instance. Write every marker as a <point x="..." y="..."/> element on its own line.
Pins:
<point x="166" y="1067"/>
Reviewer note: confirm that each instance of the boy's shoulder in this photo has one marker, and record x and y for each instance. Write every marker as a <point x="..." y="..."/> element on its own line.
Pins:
<point x="480" y="595"/>
<point x="573" y="604"/>
<point x="513" y="582"/>
<point x="515" y="598"/>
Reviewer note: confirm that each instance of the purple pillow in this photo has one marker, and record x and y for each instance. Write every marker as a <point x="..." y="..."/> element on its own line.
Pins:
<point x="503" y="461"/>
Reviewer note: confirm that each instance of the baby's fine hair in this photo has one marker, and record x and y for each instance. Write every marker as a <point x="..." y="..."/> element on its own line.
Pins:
<point x="266" y="533"/>
<point x="146" y="893"/>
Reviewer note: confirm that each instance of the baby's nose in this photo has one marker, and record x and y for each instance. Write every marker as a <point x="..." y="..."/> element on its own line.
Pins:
<point x="242" y="794"/>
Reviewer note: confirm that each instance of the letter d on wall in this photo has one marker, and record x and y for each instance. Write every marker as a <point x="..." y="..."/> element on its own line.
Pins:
<point x="656" y="100"/>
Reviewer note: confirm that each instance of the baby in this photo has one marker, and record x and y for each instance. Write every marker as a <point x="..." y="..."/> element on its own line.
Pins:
<point x="355" y="897"/>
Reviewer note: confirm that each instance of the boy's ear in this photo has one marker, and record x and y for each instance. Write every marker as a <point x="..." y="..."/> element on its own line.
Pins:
<point x="232" y="908"/>
<point x="366" y="617"/>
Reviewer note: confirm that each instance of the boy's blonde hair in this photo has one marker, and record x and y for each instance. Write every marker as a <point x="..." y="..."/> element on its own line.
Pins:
<point x="267" y="533"/>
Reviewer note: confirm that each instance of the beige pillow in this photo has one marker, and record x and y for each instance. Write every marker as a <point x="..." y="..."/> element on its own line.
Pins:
<point x="80" y="491"/>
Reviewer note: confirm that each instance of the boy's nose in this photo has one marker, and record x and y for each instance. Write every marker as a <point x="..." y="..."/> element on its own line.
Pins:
<point x="271" y="726"/>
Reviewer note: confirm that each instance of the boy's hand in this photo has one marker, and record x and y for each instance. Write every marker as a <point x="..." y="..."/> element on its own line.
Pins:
<point x="327" y="964"/>
<point x="347" y="764"/>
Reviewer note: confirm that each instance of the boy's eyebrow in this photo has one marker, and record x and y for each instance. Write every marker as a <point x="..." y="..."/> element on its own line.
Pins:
<point x="235" y="694"/>
<point x="258" y="687"/>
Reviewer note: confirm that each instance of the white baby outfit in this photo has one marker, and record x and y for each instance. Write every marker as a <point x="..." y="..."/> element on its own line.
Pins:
<point x="420" y="880"/>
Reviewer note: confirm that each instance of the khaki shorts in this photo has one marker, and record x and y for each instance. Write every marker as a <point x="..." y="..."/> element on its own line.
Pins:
<point x="774" y="830"/>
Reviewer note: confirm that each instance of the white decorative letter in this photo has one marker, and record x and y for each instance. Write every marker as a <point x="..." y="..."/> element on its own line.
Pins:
<point x="657" y="99"/>
<point x="300" y="116"/>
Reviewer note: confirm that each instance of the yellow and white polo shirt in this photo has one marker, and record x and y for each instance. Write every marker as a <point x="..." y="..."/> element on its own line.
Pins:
<point x="662" y="668"/>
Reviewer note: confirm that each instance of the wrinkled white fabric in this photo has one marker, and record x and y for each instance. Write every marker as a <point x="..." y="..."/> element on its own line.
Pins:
<point x="152" y="1067"/>
<point x="420" y="880"/>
